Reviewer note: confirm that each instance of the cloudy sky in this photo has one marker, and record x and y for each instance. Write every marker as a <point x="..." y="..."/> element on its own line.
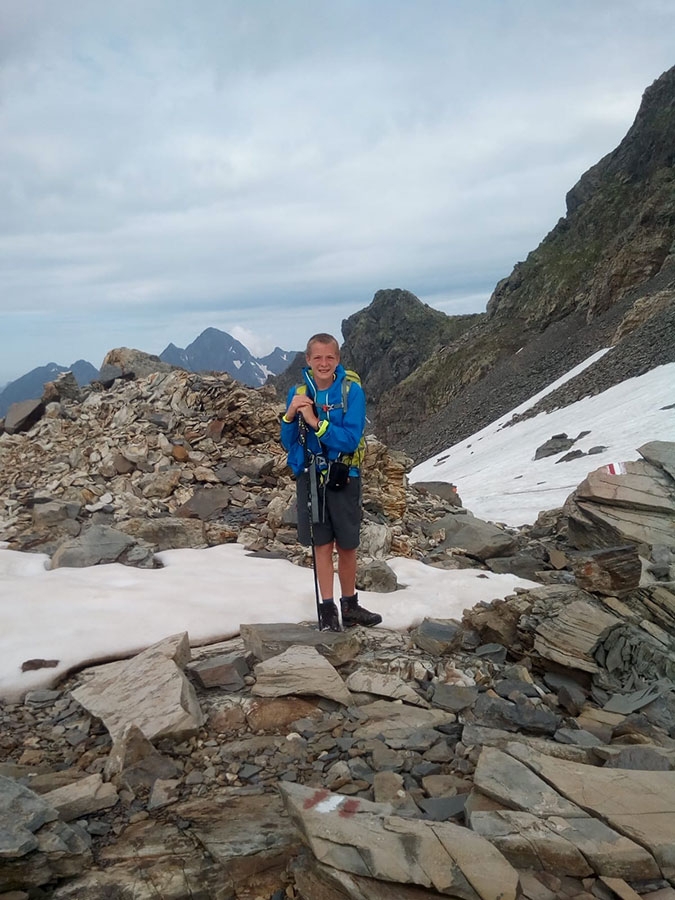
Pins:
<point x="264" y="166"/>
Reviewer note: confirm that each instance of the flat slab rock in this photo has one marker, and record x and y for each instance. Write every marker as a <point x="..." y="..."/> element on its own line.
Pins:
<point x="150" y="691"/>
<point x="576" y="847"/>
<point x="638" y="804"/>
<point x="571" y="636"/>
<point x="388" y="719"/>
<point x="365" y="839"/>
<point x="271" y="639"/>
<point x="300" y="670"/>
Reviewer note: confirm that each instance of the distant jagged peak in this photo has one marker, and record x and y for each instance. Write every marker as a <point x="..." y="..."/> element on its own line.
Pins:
<point x="217" y="351"/>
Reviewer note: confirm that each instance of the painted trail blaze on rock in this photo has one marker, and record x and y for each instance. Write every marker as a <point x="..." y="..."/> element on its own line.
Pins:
<point x="315" y="799"/>
<point x="617" y="468"/>
<point x="367" y="839"/>
<point x="350" y="808"/>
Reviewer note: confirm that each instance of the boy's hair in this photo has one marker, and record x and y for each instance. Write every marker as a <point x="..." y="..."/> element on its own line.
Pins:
<point x="321" y="338"/>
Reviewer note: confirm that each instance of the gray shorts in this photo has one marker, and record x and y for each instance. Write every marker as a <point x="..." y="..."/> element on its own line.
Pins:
<point x="340" y="514"/>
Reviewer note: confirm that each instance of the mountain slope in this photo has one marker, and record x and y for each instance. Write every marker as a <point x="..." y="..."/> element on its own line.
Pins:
<point x="607" y="259"/>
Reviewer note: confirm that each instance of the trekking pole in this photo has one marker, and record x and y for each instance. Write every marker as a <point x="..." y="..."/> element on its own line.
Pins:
<point x="312" y="507"/>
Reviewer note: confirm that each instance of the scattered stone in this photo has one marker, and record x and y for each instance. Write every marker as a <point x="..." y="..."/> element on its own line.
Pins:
<point x="436" y="636"/>
<point x="88" y="795"/>
<point x="300" y="670"/>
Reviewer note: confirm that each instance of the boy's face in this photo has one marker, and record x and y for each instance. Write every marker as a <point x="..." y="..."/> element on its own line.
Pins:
<point x="323" y="359"/>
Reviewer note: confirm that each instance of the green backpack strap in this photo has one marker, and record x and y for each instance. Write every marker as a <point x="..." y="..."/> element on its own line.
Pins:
<point x="356" y="458"/>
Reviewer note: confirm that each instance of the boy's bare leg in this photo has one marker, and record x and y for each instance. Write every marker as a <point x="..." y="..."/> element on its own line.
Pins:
<point x="324" y="570"/>
<point x="347" y="571"/>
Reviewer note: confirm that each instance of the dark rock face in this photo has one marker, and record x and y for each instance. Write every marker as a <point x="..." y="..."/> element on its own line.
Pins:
<point x="604" y="276"/>
<point x="618" y="229"/>
<point x="393" y="336"/>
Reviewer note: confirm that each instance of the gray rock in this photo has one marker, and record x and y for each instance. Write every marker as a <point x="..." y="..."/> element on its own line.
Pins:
<point x="227" y="670"/>
<point x="365" y="839"/>
<point x="376" y="575"/>
<point x="640" y="757"/>
<point x="661" y="454"/>
<point x="442" y="489"/>
<point x="610" y="510"/>
<point x="134" y="761"/>
<point x="440" y="809"/>
<point x="384" y="685"/>
<point x="266" y="640"/>
<point x="206" y="503"/>
<point x="98" y="544"/>
<point x="522" y="564"/>
<point x="567" y="846"/>
<point x="150" y="691"/>
<point x="436" y="636"/>
<point x="554" y="445"/>
<point x="390" y="721"/>
<point x="454" y="697"/>
<point x="477" y="538"/>
<point x="638" y="805"/>
<point x="21" y="813"/>
<point x="610" y="571"/>
<point x="300" y="670"/>
<point x="130" y="363"/>
<point x="513" y="784"/>
<point x="22" y="416"/>
<point x="513" y="716"/>
<point x="87" y="795"/>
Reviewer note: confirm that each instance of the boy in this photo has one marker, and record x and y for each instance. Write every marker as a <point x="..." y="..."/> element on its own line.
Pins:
<point x="322" y="434"/>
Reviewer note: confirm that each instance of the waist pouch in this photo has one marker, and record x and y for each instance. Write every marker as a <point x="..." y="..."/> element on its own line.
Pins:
<point x="338" y="476"/>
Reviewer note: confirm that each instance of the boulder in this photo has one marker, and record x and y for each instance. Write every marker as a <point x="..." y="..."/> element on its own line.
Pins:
<point x="475" y="537"/>
<point x="22" y="416"/>
<point x="639" y="805"/>
<point x="365" y="839"/>
<point x="376" y="575"/>
<point x="270" y="639"/>
<point x="82" y="797"/>
<point x="150" y="691"/>
<point x="35" y="848"/>
<point x="628" y="502"/>
<point x="610" y="571"/>
<point x="124" y="362"/>
<point x="101" y="544"/>
<point x="300" y="670"/>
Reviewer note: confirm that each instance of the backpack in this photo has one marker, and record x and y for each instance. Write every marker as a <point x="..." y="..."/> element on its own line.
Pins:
<point x="350" y="459"/>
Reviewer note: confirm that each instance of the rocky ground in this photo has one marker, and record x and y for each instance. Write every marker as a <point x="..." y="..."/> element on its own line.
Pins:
<point x="474" y="759"/>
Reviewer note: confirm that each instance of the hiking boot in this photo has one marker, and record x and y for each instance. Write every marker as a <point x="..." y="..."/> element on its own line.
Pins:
<point x="328" y="617"/>
<point x="353" y="614"/>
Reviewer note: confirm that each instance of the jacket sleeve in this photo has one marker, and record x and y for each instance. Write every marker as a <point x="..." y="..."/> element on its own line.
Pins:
<point x="344" y="438"/>
<point x="290" y="432"/>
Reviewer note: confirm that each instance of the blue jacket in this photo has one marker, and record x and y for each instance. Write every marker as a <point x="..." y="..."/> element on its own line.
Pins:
<point x="344" y="430"/>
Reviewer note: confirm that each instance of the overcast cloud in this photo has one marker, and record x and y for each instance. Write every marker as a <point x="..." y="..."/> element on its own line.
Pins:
<point x="264" y="166"/>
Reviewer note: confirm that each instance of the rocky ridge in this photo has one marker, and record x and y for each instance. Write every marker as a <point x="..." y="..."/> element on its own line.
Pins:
<point x="605" y="266"/>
